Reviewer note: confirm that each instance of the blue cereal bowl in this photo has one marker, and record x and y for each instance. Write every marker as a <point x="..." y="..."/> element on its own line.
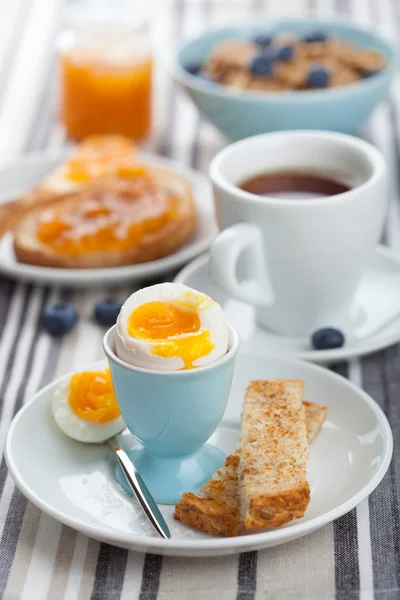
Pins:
<point x="238" y="114"/>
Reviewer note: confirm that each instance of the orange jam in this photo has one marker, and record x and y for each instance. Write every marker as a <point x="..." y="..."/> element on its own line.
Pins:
<point x="113" y="215"/>
<point x="176" y="328"/>
<point x="101" y="155"/>
<point x="92" y="396"/>
<point x="98" y="96"/>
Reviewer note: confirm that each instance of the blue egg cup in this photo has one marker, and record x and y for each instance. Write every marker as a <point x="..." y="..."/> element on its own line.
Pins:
<point x="172" y="414"/>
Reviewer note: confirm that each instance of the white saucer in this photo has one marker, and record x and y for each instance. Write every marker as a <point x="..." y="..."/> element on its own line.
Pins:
<point x="376" y="312"/>
<point x="27" y="172"/>
<point x="74" y="482"/>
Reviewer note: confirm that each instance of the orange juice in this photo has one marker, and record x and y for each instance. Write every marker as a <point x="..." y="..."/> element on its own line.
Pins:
<point x="99" y="96"/>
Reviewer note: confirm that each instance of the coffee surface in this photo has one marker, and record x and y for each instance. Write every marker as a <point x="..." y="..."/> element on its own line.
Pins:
<point x="291" y="185"/>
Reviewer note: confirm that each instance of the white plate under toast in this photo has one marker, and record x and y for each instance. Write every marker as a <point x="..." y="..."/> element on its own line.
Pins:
<point x="27" y="172"/>
<point x="74" y="482"/>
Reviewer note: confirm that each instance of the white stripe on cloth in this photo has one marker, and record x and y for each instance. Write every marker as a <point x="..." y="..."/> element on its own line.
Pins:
<point x="77" y="566"/>
<point x="27" y="78"/>
<point x="363" y="529"/>
<point x="10" y="14"/>
<point x="133" y="576"/>
<point x="40" y="569"/>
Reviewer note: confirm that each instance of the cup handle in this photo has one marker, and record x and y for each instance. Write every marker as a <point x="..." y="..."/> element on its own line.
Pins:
<point x="226" y="251"/>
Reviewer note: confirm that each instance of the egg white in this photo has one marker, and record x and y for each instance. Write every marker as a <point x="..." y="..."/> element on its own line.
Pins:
<point x="138" y="352"/>
<point x="79" y="429"/>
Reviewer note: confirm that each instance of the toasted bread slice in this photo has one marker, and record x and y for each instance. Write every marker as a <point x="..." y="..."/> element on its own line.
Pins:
<point x="154" y="243"/>
<point x="273" y="487"/>
<point x="216" y="508"/>
<point x="315" y="416"/>
<point x="94" y="158"/>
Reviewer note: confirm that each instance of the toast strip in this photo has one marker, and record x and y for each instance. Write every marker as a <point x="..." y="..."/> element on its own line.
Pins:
<point x="273" y="487"/>
<point x="216" y="509"/>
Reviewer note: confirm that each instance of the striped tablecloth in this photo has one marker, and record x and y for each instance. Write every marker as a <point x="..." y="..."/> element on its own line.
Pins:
<point x="356" y="556"/>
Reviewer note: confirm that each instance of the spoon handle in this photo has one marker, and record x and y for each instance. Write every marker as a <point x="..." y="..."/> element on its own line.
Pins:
<point x="141" y="491"/>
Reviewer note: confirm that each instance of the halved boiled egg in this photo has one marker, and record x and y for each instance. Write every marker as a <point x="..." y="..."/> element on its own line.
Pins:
<point x="170" y="327"/>
<point x="85" y="407"/>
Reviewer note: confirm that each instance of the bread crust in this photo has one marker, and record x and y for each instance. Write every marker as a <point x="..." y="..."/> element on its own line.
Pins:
<point x="273" y="510"/>
<point x="153" y="245"/>
<point x="208" y="515"/>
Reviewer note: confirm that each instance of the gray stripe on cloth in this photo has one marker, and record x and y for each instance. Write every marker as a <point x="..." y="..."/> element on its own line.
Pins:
<point x="151" y="577"/>
<point x="257" y="6"/>
<point x="342" y="7"/>
<point x="10" y="536"/>
<point x="110" y="572"/>
<point x="247" y="576"/>
<point x="347" y="574"/>
<point x="7" y="289"/>
<point x="381" y="379"/>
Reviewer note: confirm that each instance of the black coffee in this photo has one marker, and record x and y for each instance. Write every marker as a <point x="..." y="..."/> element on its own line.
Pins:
<point x="292" y="185"/>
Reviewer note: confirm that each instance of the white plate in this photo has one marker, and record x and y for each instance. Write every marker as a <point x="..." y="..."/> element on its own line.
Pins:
<point x="21" y="176"/>
<point x="376" y="312"/>
<point x="74" y="482"/>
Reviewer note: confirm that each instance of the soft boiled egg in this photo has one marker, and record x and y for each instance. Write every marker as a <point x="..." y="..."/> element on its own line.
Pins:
<point x="170" y="327"/>
<point x="85" y="407"/>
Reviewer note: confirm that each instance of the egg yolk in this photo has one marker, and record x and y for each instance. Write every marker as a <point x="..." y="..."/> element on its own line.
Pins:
<point x="92" y="396"/>
<point x="176" y="327"/>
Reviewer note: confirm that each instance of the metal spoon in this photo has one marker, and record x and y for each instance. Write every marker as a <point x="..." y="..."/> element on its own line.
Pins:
<point x="140" y="490"/>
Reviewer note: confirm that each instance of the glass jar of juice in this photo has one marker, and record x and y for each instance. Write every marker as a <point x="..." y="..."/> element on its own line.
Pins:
<point x="105" y="72"/>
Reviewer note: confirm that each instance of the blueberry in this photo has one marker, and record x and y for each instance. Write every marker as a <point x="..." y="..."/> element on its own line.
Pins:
<point x="107" y="311"/>
<point x="315" y="36"/>
<point x="58" y="319"/>
<point x="285" y="53"/>
<point x="262" y="40"/>
<point x="262" y="65"/>
<point x="318" y="77"/>
<point x="193" y="69"/>
<point x="325" y="339"/>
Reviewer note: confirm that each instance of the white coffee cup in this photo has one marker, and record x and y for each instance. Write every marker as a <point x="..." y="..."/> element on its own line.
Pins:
<point x="301" y="260"/>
